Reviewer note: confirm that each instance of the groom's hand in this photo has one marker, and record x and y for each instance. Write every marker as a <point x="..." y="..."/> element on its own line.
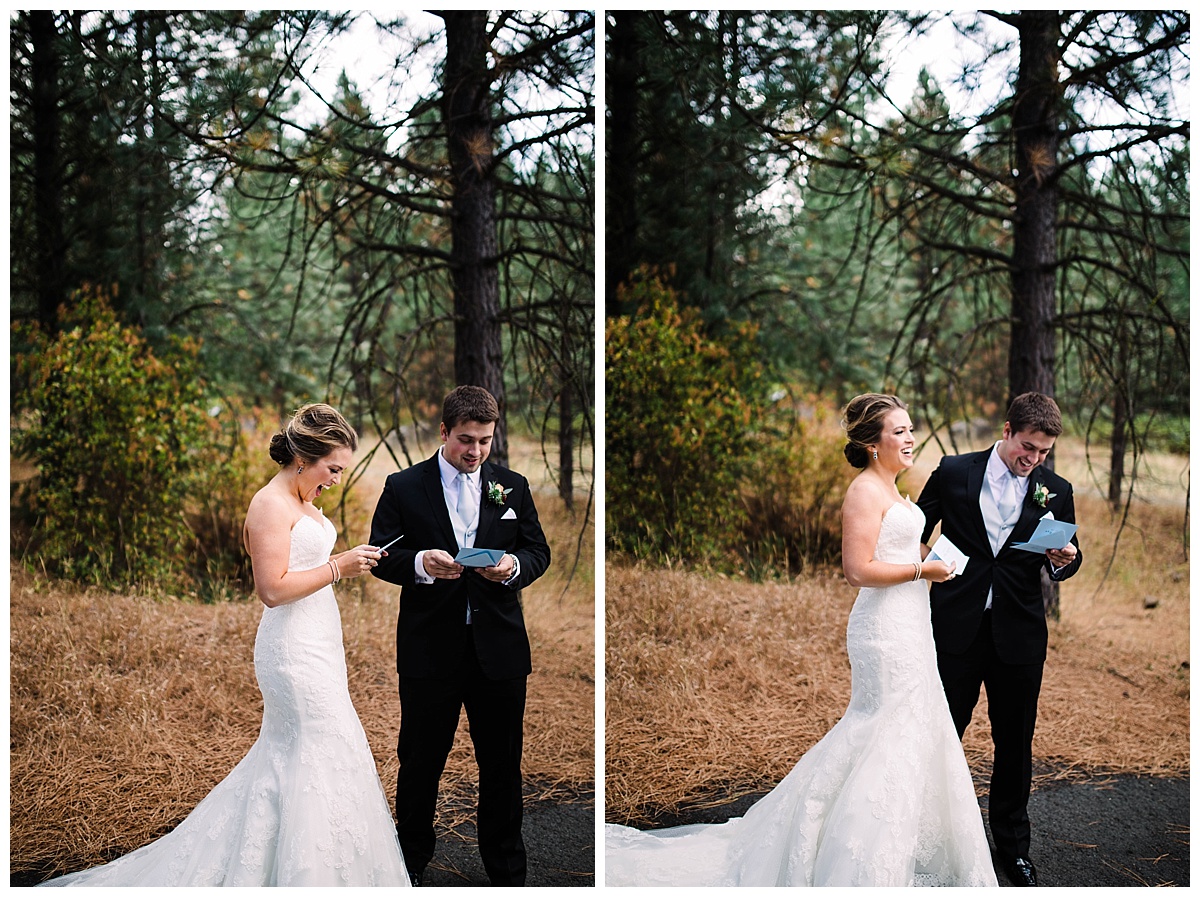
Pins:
<point x="440" y="565"/>
<point x="502" y="571"/>
<point x="1060" y="557"/>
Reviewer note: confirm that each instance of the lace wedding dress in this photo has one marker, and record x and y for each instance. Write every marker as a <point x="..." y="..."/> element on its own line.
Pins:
<point x="884" y="799"/>
<point x="305" y="806"/>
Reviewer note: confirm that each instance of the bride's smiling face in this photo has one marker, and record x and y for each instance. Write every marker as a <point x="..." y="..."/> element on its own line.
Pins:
<point x="896" y="441"/>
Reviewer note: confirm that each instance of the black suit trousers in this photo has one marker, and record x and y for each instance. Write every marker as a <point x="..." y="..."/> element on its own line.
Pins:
<point x="429" y="713"/>
<point x="1012" y="693"/>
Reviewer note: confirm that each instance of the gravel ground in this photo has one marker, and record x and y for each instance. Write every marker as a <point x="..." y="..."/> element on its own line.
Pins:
<point x="1109" y="831"/>
<point x="1113" y="831"/>
<point x="560" y="844"/>
<point x="560" y="841"/>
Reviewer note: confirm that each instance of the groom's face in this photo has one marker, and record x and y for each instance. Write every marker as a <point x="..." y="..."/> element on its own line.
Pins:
<point x="1023" y="451"/>
<point x="467" y="444"/>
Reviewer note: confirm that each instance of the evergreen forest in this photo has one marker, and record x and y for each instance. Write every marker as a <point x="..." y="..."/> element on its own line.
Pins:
<point x="218" y="216"/>
<point x="955" y="207"/>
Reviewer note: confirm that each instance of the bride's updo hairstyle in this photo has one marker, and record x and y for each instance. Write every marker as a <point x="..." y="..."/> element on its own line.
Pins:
<point x="863" y="422"/>
<point x="313" y="432"/>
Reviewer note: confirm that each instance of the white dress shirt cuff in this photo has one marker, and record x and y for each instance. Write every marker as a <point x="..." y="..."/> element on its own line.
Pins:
<point x="423" y="578"/>
<point x="1054" y="571"/>
<point x="516" y="570"/>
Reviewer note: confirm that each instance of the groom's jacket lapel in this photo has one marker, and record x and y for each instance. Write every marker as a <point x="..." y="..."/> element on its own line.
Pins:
<point x="975" y="483"/>
<point x="432" y="480"/>
<point x="488" y="511"/>
<point x="1030" y="512"/>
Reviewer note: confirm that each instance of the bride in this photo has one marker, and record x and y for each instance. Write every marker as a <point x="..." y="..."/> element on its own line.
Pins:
<point x="305" y="805"/>
<point x="885" y="798"/>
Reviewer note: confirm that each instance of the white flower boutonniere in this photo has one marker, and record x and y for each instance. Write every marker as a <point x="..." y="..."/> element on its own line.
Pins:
<point x="1041" y="495"/>
<point x="496" y="493"/>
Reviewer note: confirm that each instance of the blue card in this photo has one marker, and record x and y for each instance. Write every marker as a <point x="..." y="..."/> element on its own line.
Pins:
<point x="1050" y="533"/>
<point x="479" y="557"/>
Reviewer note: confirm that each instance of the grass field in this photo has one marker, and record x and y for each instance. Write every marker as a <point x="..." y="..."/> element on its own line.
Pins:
<point x="715" y="687"/>
<point x="126" y="710"/>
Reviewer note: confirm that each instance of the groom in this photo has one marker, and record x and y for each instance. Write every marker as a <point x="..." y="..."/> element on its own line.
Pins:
<point x="989" y="623"/>
<point x="460" y="639"/>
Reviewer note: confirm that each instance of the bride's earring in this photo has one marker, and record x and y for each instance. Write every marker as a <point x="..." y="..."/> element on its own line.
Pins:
<point x="301" y="469"/>
<point x="875" y="455"/>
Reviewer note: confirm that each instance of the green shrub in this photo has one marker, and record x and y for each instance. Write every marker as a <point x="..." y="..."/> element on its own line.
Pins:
<point x="216" y="509"/>
<point x="681" y="410"/>
<point x="793" y="494"/>
<point x="120" y="438"/>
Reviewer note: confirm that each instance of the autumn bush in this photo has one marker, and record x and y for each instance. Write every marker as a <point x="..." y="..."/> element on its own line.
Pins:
<point x="703" y="465"/>
<point x="793" y="493"/>
<point x="119" y="435"/>
<point x="215" y="509"/>
<point x="681" y="408"/>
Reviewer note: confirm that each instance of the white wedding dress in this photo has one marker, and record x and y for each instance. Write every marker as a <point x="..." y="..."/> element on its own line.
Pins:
<point x="305" y="806"/>
<point x="884" y="799"/>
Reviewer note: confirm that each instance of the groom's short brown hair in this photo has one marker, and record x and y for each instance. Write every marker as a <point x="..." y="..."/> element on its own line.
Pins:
<point x="1032" y="412"/>
<point x="466" y="403"/>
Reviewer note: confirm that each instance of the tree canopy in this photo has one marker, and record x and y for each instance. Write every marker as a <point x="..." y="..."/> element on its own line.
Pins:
<point x="1013" y="217"/>
<point x="317" y="232"/>
<point x="366" y="209"/>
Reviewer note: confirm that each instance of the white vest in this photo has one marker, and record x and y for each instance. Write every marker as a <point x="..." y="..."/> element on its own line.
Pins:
<point x="998" y="528"/>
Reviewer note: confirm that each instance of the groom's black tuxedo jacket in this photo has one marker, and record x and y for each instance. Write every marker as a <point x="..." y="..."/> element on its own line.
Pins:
<point x="430" y="630"/>
<point x="951" y="495"/>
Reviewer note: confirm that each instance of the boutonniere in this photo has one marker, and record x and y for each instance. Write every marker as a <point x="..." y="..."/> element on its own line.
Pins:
<point x="496" y="493"/>
<point x="1041" y="495"/>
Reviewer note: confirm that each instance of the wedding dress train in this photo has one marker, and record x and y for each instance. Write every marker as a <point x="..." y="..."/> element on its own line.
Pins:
<point x="884" y="799"/>
<point x="305" y="806"/>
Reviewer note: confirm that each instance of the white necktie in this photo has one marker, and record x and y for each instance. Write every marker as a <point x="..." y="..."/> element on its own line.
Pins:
<point x="466" y="501"/>
<point x="1008" y="496"/>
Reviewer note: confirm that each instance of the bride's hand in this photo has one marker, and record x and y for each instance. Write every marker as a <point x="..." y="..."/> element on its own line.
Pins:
<point x="357" y="561"/>
<point x="937" y="570"/>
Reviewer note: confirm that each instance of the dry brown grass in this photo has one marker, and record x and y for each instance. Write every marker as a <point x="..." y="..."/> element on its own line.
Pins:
<point x="126" y="710"/>
<point x="714" y="687"/>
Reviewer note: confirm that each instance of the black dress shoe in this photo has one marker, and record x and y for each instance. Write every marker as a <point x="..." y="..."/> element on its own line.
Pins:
<point x="1020" y="872"/>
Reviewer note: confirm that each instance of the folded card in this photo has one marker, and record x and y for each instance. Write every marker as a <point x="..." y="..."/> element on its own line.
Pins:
<point x="945" y="550"/>
<point x="479" y="557"/>
<point x="1049" y="534"/>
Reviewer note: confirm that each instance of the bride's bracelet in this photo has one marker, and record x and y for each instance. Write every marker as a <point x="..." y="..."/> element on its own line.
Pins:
<point x="337" y="574"/>
<point x="917" y="574"/>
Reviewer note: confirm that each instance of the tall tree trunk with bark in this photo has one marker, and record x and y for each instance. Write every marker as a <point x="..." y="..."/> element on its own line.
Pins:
<point x="1035" y="132"/>
<point x="48" y="188"/>
<point x="566" y="439"/>
<point x="467" y="111"/>
<point x="622" y="165"/>
<point x="1118" y="442"/>
<point x="1036" y="110"/>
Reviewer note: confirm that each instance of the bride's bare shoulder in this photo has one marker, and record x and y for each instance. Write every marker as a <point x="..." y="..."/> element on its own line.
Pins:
<point x="865" y="494"/>
<point x="269" y="504"/>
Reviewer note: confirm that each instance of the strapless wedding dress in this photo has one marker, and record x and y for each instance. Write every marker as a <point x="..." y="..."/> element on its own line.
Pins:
<point x="305" y="806"/>
<point x="884" y="799"/>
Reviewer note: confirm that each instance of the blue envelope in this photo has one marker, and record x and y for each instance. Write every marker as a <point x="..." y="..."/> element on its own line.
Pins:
<point x="479" y="557"/>
<point x="1049" y="534"/>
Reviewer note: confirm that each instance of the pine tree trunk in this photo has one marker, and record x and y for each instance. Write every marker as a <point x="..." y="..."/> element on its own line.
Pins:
<point x="620" y="203"/>
<point x="51" y="261"/>
<point x="1035" y="132"/>
<point x="566" y="441"/>
<point x="466" y="108"/>
<point x="1117" y="445"/>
